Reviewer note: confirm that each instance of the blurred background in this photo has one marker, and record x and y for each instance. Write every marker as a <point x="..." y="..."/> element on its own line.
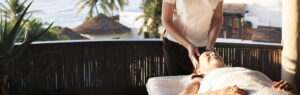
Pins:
<point x="245" y="20"/>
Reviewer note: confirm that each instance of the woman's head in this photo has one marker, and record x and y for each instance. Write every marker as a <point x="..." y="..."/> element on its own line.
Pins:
<point x="209" y="61"/>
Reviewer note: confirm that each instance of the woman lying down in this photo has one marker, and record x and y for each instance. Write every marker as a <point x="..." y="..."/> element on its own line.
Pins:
<point x="213" y="77"/>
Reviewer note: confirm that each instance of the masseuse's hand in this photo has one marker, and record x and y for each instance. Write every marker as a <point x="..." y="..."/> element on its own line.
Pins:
<point x="193" y="51"/>
<point x="211" y="48"/>
<point x="231" y="90"/>
<point x="285" y="86"/>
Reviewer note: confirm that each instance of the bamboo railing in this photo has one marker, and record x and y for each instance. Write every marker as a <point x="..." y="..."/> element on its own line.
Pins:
<point x="123" y="66"/>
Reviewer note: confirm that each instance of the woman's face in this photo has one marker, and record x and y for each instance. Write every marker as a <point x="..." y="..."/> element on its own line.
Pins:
<point x="209" y="61"/>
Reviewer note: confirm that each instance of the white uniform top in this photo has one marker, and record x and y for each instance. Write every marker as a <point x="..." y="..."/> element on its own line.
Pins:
<point x="193" y="18"/>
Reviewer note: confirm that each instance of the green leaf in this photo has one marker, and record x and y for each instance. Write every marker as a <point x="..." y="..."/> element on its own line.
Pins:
<point x="140" y="17"/>
<point x="14" y="34"/>
<point x="1" y="33"/>
<point x="81" y="8"/>
<point x="4" y="50"/>
<point x="5" y="31"/>
<point x="26" y="43"/>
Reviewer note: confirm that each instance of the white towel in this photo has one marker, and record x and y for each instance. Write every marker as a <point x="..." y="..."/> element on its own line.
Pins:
<point x="254" y="82"/>
<point x="167" y="85"/>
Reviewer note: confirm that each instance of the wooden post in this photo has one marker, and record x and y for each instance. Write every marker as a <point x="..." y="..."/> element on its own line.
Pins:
<point x="290" y="42"/>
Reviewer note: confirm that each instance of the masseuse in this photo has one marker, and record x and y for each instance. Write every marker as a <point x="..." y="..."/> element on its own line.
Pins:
<point x="192" y="27"/>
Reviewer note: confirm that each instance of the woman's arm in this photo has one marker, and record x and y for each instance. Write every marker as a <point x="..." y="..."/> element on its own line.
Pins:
<point x="193" y="88"/>
<point x="216" y="25"/>
<point x="167" y="21"/>
<point x="285" y="86"/>
<point x="231" y="90"/>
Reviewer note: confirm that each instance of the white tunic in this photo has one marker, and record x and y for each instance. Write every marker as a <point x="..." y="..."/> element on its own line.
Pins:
<point x="193" y="18"/>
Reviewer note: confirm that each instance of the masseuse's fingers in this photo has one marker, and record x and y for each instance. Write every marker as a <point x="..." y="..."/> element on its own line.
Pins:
<point x="197" y="52"/>
<point x="211" y="49"/>
<point x="192" y="50"/>
<point x="194" y="60"/>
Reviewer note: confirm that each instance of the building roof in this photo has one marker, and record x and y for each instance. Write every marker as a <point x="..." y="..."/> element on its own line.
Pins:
<point x="70" y="33"/>
<point x="101" y="25"/>
<point x="267" y="34"/>
<point x="234" y="9"/>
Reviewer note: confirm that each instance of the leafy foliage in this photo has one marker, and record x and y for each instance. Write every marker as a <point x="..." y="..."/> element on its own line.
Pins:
<point x="32" y="27"/>
<point x="35" y="25"/>
<point x="151" y="16"/>
<point x="10" y="63"/>
<point x="14" y="8"/>
<point x="107" y="6"/>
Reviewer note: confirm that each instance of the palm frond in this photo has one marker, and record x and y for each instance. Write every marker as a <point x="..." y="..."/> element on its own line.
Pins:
<point x="3" y="6"/>
<point x="1" y="29"/>
<point x="26" y="43"/>
<point x="140" y="17"/>
<point x="151" y="16"/>
<point x="112" y="5"/>
<point x="96" y="8"/>
<point x="12" y="37"/>
<point x="34" y="11"/>
<point x="90" y="14"/>
<point x="5" y="29"/>
<point x="1" y="40"/>
<point x="79" y="2"/>
<point x="81" y="7"/>
<point x="122" y="3"/>
<point x="23" y="3"/>
<point x="105" y="9"/>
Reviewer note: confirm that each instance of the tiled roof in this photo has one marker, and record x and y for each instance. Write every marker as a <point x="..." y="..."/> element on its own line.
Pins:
<point x="70" y="33"/>
<point x="101" y="25"/>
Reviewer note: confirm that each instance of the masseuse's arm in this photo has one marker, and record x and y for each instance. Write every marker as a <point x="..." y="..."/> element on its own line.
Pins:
<point x="216" y="25"/>
<point x="167" y="21"/>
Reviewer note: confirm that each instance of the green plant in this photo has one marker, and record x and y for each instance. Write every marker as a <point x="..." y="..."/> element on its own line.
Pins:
<point x="107" y="6"/>
<point x="32" y="27"/>
<point x="152" y="17"/>
<point x="9" y="55"/>
<point x="54" y="30"/>
<point x="35" y="25"/>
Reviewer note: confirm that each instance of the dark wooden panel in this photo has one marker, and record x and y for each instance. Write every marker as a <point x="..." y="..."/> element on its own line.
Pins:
<point x="106" y="66"/>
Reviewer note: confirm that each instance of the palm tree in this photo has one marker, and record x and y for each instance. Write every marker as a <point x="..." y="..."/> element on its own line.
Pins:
<point x="152" y="15"/>
<point x="90" y="3"/>
<point x="14" y="8"/>
<point x="107" y="6"/>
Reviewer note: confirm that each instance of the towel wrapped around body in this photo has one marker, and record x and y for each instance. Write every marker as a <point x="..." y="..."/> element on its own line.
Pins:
<point x="254" y="82"/>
